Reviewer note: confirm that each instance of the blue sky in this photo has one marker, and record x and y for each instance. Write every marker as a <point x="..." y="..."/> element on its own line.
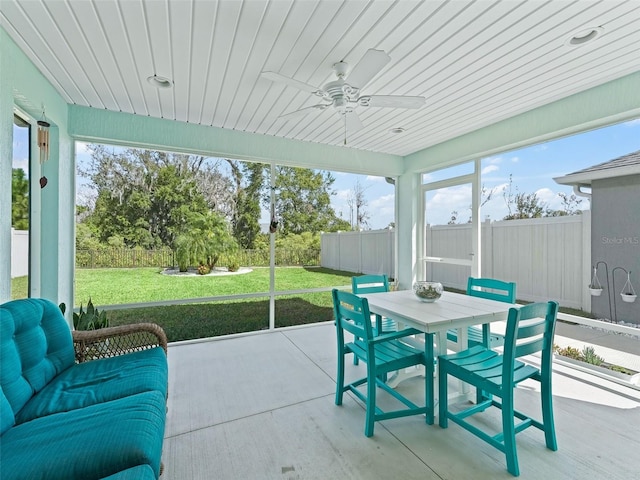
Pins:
<point x="532" y="169"/>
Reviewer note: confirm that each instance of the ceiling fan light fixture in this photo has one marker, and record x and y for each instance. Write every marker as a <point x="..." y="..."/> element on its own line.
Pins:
<point x="159" y="82"/>
<point x="584" y="36"/>
<point x="397" y="130"/>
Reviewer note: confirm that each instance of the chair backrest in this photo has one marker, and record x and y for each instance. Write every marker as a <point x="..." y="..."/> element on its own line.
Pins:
<point x="352" y="314"/>
<point x="492" y="289"/>
<point x="530" y="329"/>
<point x="369" y="284"/>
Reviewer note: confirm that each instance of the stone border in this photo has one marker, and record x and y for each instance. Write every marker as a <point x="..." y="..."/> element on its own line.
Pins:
<point x="193" y="272"/>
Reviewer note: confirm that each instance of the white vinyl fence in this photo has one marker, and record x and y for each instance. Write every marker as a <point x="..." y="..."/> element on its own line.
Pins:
<point x="546" y="257"/>
<point x="370" y="251"/>
<point x="19" y="253"/>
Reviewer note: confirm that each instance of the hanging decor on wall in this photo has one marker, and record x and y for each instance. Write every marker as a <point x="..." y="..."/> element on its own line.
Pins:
<point x="43" y="143"/>
<point x="43" y="137"/>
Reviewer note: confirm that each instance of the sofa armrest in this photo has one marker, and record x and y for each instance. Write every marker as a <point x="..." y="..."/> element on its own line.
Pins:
<point x="113" y="341"/>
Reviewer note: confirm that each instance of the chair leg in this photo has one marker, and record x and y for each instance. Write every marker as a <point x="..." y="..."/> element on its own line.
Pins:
<point x="371" y="402"/>
<point x="340" y="376"/>
<point x="509" y="432"/>
<point x="547" y="415"/>
<point x="429" y="372"/>
<point x="442" y="396"/>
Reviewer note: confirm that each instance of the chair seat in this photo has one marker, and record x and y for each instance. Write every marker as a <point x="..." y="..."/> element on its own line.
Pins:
<point x="390" y="355"/>
<point x="483" y="367"/>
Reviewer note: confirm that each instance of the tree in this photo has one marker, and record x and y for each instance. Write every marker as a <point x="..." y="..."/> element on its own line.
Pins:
<point x="145" y="197"/>
<point x="358" y="202"/>
<point x="204" y="239"/>
<point x="149" y="213"/>
<point x="522" y="205"/>
<point x="570" y="206"/>
<point x="526" y="205"/>
<point x="19" y="200"/>
<point x="246" y="223"/>
<point x="303" y="201"/>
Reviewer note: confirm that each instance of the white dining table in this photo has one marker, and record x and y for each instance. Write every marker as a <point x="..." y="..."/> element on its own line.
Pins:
<point x="451" y="310"/>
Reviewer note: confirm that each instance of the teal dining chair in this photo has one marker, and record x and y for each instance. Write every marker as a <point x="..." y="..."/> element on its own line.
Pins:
<point x="382" y="353"/>
<point x="494" y="290"/>
<point x="374" y="284"/>
<point x="530" y="329"/>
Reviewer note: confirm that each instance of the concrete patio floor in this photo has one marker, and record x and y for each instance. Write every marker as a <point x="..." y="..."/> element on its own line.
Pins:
<point x="261" y="406"/>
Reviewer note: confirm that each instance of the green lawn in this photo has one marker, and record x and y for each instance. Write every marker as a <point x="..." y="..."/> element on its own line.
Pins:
<point x="108" y="286"/>
<point x="113" y="286"/>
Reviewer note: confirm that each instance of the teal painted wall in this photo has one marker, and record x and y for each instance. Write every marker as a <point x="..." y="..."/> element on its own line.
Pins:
<point x="94" y="125"/>
<point x="52" y="248"/>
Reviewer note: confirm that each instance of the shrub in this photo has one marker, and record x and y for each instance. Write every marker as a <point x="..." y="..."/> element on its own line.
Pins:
<point x="589" y="356"/>
<point x="92" y="319"/>
<point x="203" y="270"/>
<point x="570" y="352"/>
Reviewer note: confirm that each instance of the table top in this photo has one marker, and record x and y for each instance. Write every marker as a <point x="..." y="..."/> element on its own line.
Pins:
<point x="452" y="310"/>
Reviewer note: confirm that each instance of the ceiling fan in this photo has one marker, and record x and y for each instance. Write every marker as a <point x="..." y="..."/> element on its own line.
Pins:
<point x="344" y="94"/>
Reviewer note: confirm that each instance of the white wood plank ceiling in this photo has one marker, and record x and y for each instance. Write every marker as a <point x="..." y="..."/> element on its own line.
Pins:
<point x="475" y="62"/>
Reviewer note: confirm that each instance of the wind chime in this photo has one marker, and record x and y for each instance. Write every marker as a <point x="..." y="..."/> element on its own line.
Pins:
<point x="43" y="144"/>
<point x="273" y="225"/>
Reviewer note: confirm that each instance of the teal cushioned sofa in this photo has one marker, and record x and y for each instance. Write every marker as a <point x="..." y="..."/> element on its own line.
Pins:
<point x="79" y="405"/>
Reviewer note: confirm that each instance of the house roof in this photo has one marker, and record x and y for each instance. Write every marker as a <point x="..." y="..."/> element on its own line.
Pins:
<point x="618" y="167"/>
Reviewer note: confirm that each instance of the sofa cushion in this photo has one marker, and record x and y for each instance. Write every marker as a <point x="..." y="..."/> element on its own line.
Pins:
<point x="35" y="346"/>
<point x="7" y="420"/>
<point x="141" y="472"/>
<point x="99" y="381"/>
<point x="87" y="443"/>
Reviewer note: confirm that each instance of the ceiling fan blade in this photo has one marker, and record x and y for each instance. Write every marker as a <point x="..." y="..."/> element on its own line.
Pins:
<point x="367" y="68"/>
<point x="395" y="101"/>
<point x="276" y="77"/>
<point x="354" y="123"/>
<point x="304" y="111"/>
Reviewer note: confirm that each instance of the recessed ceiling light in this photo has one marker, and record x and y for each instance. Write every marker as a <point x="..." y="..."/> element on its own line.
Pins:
<point x="159" y="82"/>
<point x="585" y="35"/>
<point x="397" y="130"/>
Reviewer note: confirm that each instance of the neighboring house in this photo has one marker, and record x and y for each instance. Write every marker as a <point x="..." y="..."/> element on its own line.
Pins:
<point x="615" y="231"/>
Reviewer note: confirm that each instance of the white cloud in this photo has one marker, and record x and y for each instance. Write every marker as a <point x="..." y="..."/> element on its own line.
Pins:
<point x="516" y="159"/>
<point x="382" y="210"/>
<point x="385" y="201"/>
<point x="446" y="200"/>
<point x="83" y="148"/>
<point x="371" y="178"/>
<point x="490" y="168"/>
<point x="493" y="160"/>
<point x="632" y="123"/>
<point x="343" y="194"/>
<point x="22" y="163"/>
<point x="550" y="198"/>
